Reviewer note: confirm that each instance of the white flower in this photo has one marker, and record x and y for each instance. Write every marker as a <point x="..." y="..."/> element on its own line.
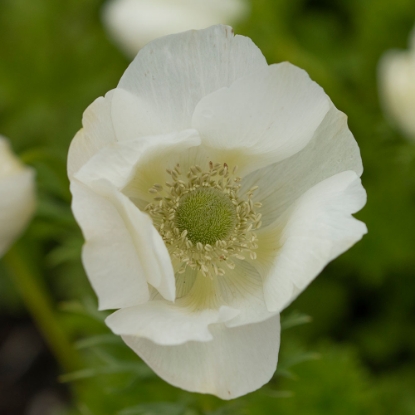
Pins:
<point x="396" y="75"/>
<point x="17" y="196"/>
<point x="134" y="23"/>
<point x="200" y="258"/>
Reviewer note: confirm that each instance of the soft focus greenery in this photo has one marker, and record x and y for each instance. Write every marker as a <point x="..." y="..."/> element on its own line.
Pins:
<point x="357" y="356"/>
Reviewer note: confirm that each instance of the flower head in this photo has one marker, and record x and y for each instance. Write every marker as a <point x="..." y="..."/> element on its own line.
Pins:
<point x="17" y="196"/>
<point x="396" y="75"/>
<point x="211" y="189"/>
<point x="134" y="23"/>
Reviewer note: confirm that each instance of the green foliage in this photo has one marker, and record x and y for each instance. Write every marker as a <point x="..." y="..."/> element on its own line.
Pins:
<point x="334" y="384"/>
<point x="55" y="59"/>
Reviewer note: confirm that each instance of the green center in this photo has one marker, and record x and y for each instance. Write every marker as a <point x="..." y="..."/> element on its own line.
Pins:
<point x="207" y="215"/>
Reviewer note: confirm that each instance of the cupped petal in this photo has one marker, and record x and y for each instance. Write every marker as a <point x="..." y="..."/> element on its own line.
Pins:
<point x="262" y="118"/>
<point x="239" y="288"/>
<point x="332" y="150"/>
<point x="97" y="132"/>
<point x="109" y="255"/>
<point x="237" y="361"/>
<point x="129" y="169"/>
<point x="167" y="323"/>
<point x="235" y="299"/>
<point x="172" y="74"/>
<point x="157" y="157"/>
<point x="151" y="260"/>
<point x="242" y="289"/>
<point x="150" y="247"/>
<point x="121" y="163"/>
<point x="317" y="228"/>
<point x="184" y="280"/>
<point x="17" y="204"/>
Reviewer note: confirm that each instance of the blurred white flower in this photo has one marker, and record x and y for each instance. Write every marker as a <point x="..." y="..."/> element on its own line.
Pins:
<point x="396" y="74"/>
<point x="134" y="23"/>
<point x="211" y="189"/>
<point x="17" y="196"/>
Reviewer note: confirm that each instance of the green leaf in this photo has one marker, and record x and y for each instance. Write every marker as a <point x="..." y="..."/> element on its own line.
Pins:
<point x="159" y="408"/>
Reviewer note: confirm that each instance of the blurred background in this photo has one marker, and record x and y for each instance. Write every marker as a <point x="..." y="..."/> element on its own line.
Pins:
<point x="348" y="344"/>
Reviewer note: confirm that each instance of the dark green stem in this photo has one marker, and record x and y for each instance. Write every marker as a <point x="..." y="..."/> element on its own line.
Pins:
<point x="40" y="306"/>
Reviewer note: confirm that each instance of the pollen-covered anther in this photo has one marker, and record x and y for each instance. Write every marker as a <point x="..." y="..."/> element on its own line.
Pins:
<point x="203" y="220"/>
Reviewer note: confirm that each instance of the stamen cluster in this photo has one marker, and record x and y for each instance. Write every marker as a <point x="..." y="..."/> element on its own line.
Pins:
<point x="208" y="258"/>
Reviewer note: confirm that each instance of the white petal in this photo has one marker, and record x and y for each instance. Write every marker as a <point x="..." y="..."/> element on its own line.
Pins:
<point x="166" y="323"/>
<point x="140" y="164"/>
<point x="170" y="76"/>
<point x="109" y="255"/>
<point x="133" y="23"/>
<point x="151" y="250"/>
<point x="17" y="204"/>
<point x="118" y="162"/>
<point x="185" y="280"/>
<point x="240" y="289"/>
<point x="316" y="229"/>
<point x="97" y="132"/>
<point x="237" y="361"/>
<point x="9" y="163"/>
<point x="332" y="150"/>
<point x="262" y="118"/>
<point x="234" y="299"/>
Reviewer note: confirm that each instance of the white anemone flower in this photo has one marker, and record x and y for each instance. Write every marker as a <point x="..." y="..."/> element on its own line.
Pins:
<point x="211" y="189"/>
<point x="17" y="196"/>
<point x="134" y="23"/>
<point x="396" y="75"/>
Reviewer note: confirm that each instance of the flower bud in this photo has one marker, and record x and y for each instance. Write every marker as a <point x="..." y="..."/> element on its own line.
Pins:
<point x="134" y="23"/>
<point x="17" y="196"/>
<point x="397" y="87"/>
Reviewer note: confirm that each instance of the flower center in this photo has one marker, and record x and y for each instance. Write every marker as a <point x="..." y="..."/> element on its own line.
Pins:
<point x="203" y="220"/>
<point x="207" y="214"/>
